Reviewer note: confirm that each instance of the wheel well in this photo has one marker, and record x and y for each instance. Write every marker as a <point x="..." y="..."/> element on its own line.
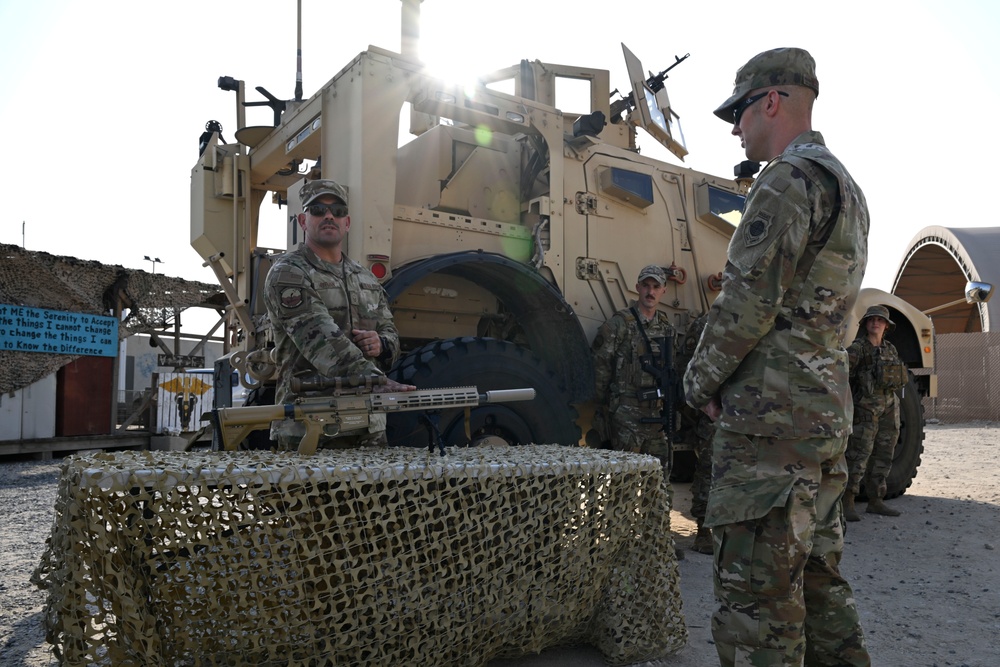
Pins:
<point x="905" y="340"/>
<point x="549" y="323"/>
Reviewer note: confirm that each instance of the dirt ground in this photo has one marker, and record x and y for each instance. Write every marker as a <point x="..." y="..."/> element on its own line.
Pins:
<point x="927" y="583"/>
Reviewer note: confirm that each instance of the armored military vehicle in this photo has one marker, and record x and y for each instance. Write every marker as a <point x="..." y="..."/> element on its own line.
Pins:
<point x="505" y="230"/>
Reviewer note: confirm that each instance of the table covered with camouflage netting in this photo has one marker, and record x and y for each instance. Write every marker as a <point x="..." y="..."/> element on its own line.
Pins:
<point x="371" y="556"/>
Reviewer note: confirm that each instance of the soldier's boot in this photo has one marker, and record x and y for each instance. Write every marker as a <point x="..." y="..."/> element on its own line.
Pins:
<point x="703" y="540"/>
<point x="850" y="513"/>
<point x="875" y="504"/>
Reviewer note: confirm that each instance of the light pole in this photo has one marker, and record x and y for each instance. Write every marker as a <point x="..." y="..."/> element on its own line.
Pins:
<point x="155" y="261"/>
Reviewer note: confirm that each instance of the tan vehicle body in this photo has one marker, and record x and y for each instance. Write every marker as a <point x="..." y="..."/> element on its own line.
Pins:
<point x="505" y="231"/>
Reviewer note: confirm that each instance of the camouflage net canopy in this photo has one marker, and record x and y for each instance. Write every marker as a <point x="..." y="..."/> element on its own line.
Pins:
<point x="41" y="280"/>
<point x="360" y="557"/>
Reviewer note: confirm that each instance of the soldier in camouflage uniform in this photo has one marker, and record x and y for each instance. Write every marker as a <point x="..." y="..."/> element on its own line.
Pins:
<point x="771" y="369"/>
<point x="330" y="316"/>
<point x="698" y="429"/>
<point x="877" y="373"/>
<point x="622" y="385"/>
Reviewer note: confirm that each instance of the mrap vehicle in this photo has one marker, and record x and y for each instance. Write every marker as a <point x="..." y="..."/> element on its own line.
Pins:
<point x="505" y="231"/>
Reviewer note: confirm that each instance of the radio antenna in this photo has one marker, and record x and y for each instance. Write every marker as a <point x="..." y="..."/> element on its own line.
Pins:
<point x="298" y="55"/>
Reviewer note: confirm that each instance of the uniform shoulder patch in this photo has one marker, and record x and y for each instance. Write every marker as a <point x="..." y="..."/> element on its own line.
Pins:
<point x="757" y="230"/>
<point x="291" y="297"/>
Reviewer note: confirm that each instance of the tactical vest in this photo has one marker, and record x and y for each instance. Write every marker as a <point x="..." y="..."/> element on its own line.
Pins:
<point x="879" y="369"/>
<point x="630" y="378"/>
<point x="771" y="393"/>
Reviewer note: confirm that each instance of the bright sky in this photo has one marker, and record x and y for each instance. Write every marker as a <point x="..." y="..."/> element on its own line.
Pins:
<point x="102" y="102"/>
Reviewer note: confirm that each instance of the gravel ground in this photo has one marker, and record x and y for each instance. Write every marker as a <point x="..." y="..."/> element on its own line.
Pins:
<point x="927" y="582"/>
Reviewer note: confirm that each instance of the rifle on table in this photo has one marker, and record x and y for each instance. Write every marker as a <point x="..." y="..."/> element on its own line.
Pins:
<point x="350" y="408"/>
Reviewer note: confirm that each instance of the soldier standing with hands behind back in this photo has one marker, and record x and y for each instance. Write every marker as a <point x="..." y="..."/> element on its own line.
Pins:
<point x="877" y="373"/>
<point x="329" y="314"/>
<point x="771" y="369"/>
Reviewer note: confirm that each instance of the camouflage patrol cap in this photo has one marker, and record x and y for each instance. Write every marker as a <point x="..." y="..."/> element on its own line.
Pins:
<point x="777" y="67"/>
<point x="653" y="271"/>
<point x="315" y="189"/>
<point x="879" y="311"/>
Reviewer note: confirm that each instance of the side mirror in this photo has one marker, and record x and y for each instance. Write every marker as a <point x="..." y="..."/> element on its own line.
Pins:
<point x="978" y="292"/>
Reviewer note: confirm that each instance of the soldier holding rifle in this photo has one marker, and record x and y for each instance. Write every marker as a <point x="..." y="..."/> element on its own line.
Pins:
<point x="635" y="378"/>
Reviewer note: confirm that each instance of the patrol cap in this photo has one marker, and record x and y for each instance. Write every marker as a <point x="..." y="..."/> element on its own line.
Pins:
<point x="777" y="67"/>
<point x="315" y="189"/>
<point x="655" y="272"/>
<point x="879" y="311"/>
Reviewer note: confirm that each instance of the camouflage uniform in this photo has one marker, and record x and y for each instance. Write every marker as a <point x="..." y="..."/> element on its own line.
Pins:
<point x="697" y="429"/>
<point x="619" y="376"/>
<point x="876" y="413"/>
<point x="313" y="306"/>
<point x="773" y="357"/>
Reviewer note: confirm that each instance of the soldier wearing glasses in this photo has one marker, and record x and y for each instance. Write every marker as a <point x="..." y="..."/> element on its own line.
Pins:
<point x="772" y="371"/>
<point x="330" y="316"/>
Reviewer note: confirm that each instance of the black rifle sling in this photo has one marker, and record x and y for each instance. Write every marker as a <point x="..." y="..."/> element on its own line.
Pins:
<point x="663" y="378"/>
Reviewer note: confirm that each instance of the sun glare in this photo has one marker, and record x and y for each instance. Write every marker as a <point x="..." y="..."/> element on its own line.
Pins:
<point x="444" y="48"/>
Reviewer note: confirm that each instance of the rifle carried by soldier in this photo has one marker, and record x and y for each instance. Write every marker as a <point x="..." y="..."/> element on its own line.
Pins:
<point x="659" y="363"/>
<point x="350" y="407"/>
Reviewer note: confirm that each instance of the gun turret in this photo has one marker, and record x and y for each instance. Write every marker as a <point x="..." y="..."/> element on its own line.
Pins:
<point x="350" y="409"/>
<point x="655" y="83"/>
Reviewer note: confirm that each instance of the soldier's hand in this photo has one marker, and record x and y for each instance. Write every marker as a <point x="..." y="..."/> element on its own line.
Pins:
<point x="368" y="342"/>
<point x="713" y="409"/>
<point x="392" y="385"/>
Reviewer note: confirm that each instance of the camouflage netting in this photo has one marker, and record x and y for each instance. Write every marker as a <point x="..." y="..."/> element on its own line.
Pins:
<point x="360" y="557"/>
<point x="41" y="280"/>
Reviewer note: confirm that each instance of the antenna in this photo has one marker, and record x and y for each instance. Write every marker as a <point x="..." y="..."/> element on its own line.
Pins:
<point x="154" y="260"/>
<point x="410" y="28"/>
<point x="298" y="57"/>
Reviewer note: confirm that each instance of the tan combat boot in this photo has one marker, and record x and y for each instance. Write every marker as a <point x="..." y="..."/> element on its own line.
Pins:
<point x="703" y="540"/>
<point x="875" y="504"/>
<point x="850" y="513"/>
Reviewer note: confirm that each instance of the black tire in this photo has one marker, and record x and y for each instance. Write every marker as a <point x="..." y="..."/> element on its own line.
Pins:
<point x="909" y="447"/>
<point x="487" y="364"/>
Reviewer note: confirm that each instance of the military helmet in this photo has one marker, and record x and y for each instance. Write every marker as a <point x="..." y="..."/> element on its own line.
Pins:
<point x="879" y="311"/>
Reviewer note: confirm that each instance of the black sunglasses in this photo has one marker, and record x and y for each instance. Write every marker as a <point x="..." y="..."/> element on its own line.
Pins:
<point x="319" y="210"/>
<point x="745" y="104"/>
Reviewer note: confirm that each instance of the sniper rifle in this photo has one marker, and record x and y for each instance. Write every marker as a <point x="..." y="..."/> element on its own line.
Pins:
<point x="350" y="407"/>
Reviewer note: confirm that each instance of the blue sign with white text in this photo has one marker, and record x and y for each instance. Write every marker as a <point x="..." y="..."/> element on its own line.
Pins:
<point x="24" y="329"/>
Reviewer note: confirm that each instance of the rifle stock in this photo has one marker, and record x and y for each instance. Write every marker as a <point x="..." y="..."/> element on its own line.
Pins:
<point x="340" y="414"/>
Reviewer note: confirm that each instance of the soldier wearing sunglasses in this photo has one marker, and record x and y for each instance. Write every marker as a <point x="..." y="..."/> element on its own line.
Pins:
<point x="329" y="315"/>
<point x="772" y="371"/>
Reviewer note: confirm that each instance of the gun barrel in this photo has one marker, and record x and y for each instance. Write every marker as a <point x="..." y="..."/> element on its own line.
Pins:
<point x="425" y="399"/>
<point x="507" y="395"/>
<point x="332" y="415"/>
